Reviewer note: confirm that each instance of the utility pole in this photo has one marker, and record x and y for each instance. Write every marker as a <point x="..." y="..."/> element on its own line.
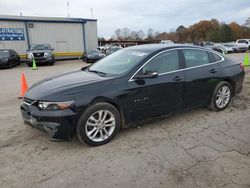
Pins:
<point x="68" y="10"/>
<point x="91" y="10"/>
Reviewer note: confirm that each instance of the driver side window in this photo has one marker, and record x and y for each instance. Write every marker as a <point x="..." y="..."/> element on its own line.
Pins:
<point x="165" y="62"/>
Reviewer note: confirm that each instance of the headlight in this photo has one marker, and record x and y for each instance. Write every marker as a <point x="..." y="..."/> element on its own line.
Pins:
<point x="54" y="105"/>
<point x="47" y="54"/>
<point x="30" y="56"/>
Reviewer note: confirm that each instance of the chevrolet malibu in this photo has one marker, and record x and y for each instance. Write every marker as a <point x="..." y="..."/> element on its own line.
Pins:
<point x="128" y="86"/>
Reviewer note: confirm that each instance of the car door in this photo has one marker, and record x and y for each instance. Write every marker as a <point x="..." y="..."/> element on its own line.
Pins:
<point x="158" y="95"/>
<point x="201" y="77"/>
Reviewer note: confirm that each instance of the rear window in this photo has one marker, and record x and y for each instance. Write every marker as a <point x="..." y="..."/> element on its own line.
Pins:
<point x="214" y="57"/>
<point x="243" y="41"/>
<point x="4" y="53"/>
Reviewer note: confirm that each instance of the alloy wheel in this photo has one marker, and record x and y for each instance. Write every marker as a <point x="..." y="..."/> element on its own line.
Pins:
<point x="223" y="96"/>
<point x="100" y="125"/>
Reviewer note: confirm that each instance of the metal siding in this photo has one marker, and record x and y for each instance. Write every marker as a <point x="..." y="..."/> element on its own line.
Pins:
<point x="63" y="37"/>
<point x="91" y="35"/>
<point x="19" y="46"/>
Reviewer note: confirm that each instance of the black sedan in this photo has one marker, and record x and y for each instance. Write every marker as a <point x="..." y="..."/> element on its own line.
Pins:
<point x="9" y="58"/>
<point x="128" y="86"/>
<point x="92" y="56"/>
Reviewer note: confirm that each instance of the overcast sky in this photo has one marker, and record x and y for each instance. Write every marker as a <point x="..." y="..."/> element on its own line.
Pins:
<point x="160" y="15"/>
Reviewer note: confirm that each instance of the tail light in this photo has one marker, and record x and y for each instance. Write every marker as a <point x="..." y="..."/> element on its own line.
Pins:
<point x="242" y="66"/>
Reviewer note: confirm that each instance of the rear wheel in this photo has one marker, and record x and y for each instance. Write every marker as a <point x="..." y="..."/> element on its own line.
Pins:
<point x="9" y="65"/>
<point x="221" y="97"/>
<point x="98" y="124"/>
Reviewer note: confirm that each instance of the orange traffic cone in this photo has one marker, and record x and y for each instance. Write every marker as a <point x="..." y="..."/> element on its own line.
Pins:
<point x="24" y="86"/>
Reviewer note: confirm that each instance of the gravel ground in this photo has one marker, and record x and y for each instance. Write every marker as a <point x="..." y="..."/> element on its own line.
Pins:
<point x="197" y="148"/>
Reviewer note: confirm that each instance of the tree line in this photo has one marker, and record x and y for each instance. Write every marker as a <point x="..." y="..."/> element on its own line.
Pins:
<point x="205" y="30"/>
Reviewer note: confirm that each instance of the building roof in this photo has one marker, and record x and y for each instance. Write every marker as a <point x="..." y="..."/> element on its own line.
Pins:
<point x="44" y="19"/>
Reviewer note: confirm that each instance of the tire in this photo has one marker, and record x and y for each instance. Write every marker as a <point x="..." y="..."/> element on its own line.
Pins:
<point x="51" y="63"/>
<point x="9" y="65"/>
<point x="85" y="60"/>
<point x="215" y="99"/>
<point x="29" y="64"/>
<point x="86" y="122"/>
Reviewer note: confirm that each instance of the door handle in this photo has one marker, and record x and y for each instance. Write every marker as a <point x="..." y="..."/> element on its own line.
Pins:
<point x="213" y="71"/>
<point x="178" y="78"/>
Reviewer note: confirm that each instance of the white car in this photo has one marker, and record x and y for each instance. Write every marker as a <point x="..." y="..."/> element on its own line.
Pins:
<point x="223" y="49"/>
<point x="237" y="47"/>
<point x="244" y="42"/>
<point x="167" y="42"/>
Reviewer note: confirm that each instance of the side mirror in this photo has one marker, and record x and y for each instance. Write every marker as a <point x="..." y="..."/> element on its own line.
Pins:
<point x="148" y="74"/>
<point x="84" y="68"/>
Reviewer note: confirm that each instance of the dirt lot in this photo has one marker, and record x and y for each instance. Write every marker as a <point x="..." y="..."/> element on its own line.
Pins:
<point x="198" y="148"/>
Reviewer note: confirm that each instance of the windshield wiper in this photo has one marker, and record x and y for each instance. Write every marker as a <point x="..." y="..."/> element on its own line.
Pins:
<point x="98" y="72"/>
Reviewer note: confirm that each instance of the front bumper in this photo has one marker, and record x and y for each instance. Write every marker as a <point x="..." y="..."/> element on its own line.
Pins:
<point x="41" y="60"/>
<point x="59" y="124"/>
<point x="92" y="60"/>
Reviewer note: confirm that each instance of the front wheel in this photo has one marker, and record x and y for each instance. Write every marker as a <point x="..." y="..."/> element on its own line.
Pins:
<point x="98" y="124"/>
<point x="51" y="63"/>
<point x="9" y="65"/>
<point x="221" y="97"/>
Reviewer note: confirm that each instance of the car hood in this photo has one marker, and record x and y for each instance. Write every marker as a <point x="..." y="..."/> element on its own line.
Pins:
<point x="38" y="51"/>
<point x="95" y="56"/>
<point x="66" y="85"/>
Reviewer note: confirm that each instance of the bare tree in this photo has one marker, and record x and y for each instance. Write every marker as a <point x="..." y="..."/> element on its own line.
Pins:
<point x="150" y="34"/>
<point x="141" y="34"/>
<point x="125" y="33"/>
<point x="118" y="33"/>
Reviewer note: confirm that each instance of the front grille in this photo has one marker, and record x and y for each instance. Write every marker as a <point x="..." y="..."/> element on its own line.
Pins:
<point x="38" y="54"/>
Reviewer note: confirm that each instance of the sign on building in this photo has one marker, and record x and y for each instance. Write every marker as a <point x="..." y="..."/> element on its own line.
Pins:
<point x="11" y="34"/>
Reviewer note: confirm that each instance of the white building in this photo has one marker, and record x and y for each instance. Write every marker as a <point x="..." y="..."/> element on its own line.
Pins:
<point x="68" y="36"/>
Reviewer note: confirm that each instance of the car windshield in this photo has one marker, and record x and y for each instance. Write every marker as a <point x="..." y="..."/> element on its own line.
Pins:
<point x="40" y="47"/>
<point x="242" y="41"/>
<point x="113" y="49"/>
<point x="119" y="62"/>
<point x="4" y="53"/>
<point x="93" y="52"/>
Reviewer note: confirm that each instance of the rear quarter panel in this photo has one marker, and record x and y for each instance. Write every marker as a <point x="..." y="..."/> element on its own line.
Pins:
<point x="232" y="72"/>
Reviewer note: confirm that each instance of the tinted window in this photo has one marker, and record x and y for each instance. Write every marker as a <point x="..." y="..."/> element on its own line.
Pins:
<point x="119" y="62"/>
<point x="195" y="57"/>
<point x="165" y="62"/>
<point x="40" y="47"/>
<point x="4" y="53"/>
<point x="242" y="41"/>
<point x="214" y="57"/>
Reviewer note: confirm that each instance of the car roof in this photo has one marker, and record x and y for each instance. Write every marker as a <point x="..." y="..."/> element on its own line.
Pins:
<point x="40" y="44"/>
<point x="156" y="47"/>
<point x="2" y="50"/>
